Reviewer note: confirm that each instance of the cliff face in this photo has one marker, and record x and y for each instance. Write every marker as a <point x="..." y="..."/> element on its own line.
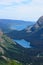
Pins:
<point x="36" y="36"/>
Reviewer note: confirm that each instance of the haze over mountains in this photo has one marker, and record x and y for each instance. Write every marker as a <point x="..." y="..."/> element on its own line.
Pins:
<point x="11" y="51"/>
<point x="7" y="24"/>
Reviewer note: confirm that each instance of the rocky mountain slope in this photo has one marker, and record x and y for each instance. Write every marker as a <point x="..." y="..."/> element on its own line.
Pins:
<point x="36" y="36"/>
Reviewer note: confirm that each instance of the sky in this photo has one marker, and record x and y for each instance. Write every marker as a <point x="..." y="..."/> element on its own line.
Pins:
<point x="28" y="10"/>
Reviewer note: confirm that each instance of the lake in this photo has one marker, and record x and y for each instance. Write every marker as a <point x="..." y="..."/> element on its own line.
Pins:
<point x="23" y="43"/>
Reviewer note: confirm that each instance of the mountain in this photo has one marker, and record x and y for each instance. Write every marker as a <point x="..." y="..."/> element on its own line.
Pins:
<point x="11" y="53"/>
<point x="33" y="34"/>
<point x="8" y="25"/>
<point x="36" y="36"/>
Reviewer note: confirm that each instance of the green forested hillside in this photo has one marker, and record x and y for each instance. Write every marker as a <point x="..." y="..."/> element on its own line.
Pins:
<point x="11" y="62"/>
<point x="9" y="51"/>
<point x="12" y="53"/>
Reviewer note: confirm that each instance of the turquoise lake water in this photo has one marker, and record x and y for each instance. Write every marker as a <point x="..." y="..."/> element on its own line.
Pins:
<point x="23" y="43"/>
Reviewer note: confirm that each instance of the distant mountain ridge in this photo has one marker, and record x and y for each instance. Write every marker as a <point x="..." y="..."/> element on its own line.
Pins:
<point x="6" y="24"/>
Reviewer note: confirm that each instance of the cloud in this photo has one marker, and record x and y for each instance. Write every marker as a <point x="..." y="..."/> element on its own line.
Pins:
<point x="26" y="10"/>
<point x="9" y="2"/>
<point x="38" y="1"/>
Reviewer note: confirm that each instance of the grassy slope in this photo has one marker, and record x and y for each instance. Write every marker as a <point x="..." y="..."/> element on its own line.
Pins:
<point x="11" y="62"/>
<point x="7" y="45"/>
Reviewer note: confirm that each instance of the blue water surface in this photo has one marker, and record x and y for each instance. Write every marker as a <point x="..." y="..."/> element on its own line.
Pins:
<point x="23" y="43"/>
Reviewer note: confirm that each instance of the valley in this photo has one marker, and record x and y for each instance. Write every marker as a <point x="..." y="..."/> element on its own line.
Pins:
<point x="21" y="46"/>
